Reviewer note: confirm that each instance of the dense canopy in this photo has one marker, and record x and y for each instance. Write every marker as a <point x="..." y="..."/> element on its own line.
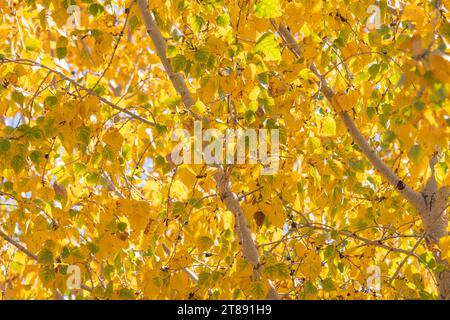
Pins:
<point x="92" y="93"/>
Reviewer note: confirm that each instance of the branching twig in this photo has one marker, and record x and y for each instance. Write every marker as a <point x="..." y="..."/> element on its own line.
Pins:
<point x="404" y="260"/>
<point x="231" y="201"/>
<point x="160" y="46"/>
<point x="30" y="254"/>
<point x="82" y="87"/>
<point x="412" y="196"/>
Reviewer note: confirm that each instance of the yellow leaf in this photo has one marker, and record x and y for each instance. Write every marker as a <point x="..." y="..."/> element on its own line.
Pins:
<point x="179" y="190"/>
<point x="114" y="138"/>
<point x="414" y="14"/>
<point x="328" y="127"/>
<point x="186" y="175"/>
<point x="440" y="66"/>
<point x="199" y="108"/>
<point x="444" y="244"/>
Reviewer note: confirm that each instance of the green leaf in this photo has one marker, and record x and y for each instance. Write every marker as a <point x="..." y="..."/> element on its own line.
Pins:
<point x="257" y="290"/>
<point x="305" y="74"/>
<point x="328" y="252"/>
<point x="196" y="23"/>
<point x="178" y="207"/>
<point x="49" y="126"/>
<point x="126" y="294"/>
<point x="126" y="150"/>
<point x="374" y="69"/>
<point x="4" y="146"/>
<point x="223" y="20"/>
<point x="17" y="266"/>
<point x="61" y="53"/>
<point x="45" y="257"/>
<point x="32" y="44"/>
<point x="357" y="165"/>
<point x="84" y="134"/>
<point x="419" y="105"/>
<point x="277" y="271"/>
<point x="61" y="47"/>
<point x="171" y="51"/>
<point x="445" y="29"/>
<point x="79" y="168"/>
<point x="36" y="156"/>
<point x="268" y="9"/>
<point x="36" y="133"/>
<point x="92" y="178"/>
<point x="310" y="288"/>
<point x="7" y="186"/>
<point x="179" y="63"/>
<point x="108" y="153"/>
<point x="93" y="248"/>
<point x="415" y="153"/>
<point x="371" y="111"/>
<point x="18" y="97"/>
<point x="62" y="42"/>
<point x="47" y="274"/>
<point x="26" y="130"/>
<point x="122" y="226"/>
<point x="206" y="242"/>
<point x="201" y="56"/>
<point x="96" y="9"/>
<point x="249" y="117"/>
<point x="203" y="279"/>
<point x="237" y="294"/>
<point x="268" y="46"/>
<point x="327" y="284"/>
<point x="50" y="101"/>
<point x="161" y="128"/>
<point x="328" y="127"/>
<point x="362" y="77"/>
<point x="388" y="136"/>
<point x="337" y="167"/>
<point x="18" y="163"/>
<point x="426" y="295"/>
<point x="428" y="259"/>
<point x="134" y="22"/>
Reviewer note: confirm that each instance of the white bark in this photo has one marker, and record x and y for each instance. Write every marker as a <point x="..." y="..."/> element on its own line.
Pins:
<point x="248" y="246"/>
<point x="431" y="203"/>
<point x="435" y="222"/>
<point x="411" y="195"/>
<point x="160" y="46"/>
<point x="231" y="201"/>
<point x="249" y="249"/>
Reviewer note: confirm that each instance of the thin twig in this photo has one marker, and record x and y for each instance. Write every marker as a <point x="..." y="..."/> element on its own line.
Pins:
<point x="75" y="83"/>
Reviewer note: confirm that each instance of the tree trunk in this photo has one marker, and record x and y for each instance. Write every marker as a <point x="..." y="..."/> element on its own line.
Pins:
<point x="443" y="280"/>
<point x="434" y="219"/>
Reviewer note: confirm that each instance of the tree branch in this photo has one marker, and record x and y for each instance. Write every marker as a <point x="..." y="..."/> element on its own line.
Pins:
<point x="30" y="254"/>
<point x="78" y="85"/>
<point x="249" y="249"/>
<point x="397" y="271"/>
<point x="412" y="196"/>
<point x="113" y="187"/>
<point x="18" y="245"/>
<point x="160" y="46"/>
<point x="189" y="272"/>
